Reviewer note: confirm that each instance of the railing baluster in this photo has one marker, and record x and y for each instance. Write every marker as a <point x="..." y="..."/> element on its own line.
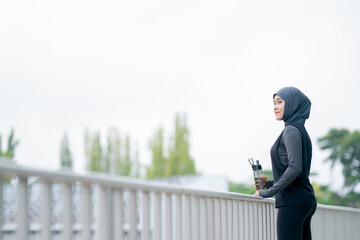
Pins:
<point x="100" y="232"/>
<point x="210" y="219"/>
<point x="203" y="221"/>
<point x="157" y="216"/>
<point x="195" y="217"/>
<point x="229" y="218"/>
<point x="217" y="218"/>
<point x="1" y="207"/>
<point x="241" y="220"/>
<point x="46" y="210"/>
<point x="255" y="222"/>
<point x="246" y="220"/>
<point x="85" y="212"/>
<point x="187" y="219"/>
<point x="235" y="220"/>
<point x="223" y="219"/>
<point x="178" y="223"/>
<point x="67" y="211"/>
<point x="145" y="232"/>
<point x="132" y="215"/>
<point x="22" y="209"/>
<point x="168" y="216"/>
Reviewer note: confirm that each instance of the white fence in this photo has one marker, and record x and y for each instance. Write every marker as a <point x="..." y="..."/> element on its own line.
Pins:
<point x="124" y="208"/>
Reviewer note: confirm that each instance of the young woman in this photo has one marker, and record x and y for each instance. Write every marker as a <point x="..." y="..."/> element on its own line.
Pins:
<point x="291" y="160"/>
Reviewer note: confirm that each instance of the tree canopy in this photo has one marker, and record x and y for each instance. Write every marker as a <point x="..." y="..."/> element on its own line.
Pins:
<point x="178" y="160"/>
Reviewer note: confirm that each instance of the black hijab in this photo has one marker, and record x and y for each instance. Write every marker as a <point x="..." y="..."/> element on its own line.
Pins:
<point x="297" y="105"/>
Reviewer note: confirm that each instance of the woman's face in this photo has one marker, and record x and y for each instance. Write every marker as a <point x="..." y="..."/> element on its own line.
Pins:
<point x="279" y="106"/>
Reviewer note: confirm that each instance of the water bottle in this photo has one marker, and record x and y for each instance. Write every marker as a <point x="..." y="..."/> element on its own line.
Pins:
<point x="257" y="171"/>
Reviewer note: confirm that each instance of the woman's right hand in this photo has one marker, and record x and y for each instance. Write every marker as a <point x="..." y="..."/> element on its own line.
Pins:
<point x="261" y="183"/>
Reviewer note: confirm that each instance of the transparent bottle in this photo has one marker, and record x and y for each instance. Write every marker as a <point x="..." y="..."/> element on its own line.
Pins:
<point x="258" y="173"/>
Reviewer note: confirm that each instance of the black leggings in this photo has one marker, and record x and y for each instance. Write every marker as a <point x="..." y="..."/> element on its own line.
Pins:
<point x="294" y="223"/>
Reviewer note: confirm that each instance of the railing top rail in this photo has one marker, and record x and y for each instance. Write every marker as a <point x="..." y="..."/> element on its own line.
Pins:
<point x="14" y="170"/>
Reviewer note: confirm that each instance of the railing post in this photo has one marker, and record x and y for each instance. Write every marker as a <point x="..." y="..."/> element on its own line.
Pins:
<point x="22" y="209"/>
<point x="235" y="219"/>
<point x="241" y="221"/>
<point x="85" y="212"/>
<point x="223" y="219"/>
<point x="194" y="217"/>
<point x="101" y="214"/>
<point x="178" y="224"/>
<point x="203" y="219"/>
<point x="210" y="218"/>
<point x="229" y="218"/>
<point x="46" y="210"/>
<point x="157" y="216"/>
<point x="217" y="217"/>
<point x="1" y="207"/>
<point x="168" y="216"/>
<point x="132" y="215"/>
<point x="145" y="232"/>
<point x="67" y="211"/>
<point x="118" y="215"/>
<point x="187" y="219"/>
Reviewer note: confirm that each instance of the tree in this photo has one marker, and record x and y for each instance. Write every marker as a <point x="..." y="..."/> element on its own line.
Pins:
<point x="158" y="164"/>
<point x="93" y="152"/>
<point x="344" y="148"/>
<point x="11" y="146"/>
<point x="115" y="158"/>
<point x="178" y="161"/>
<point x="113" y="153"/>
<point x="66" y="159"/>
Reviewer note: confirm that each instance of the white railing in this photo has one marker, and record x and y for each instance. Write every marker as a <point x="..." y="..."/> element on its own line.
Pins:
<point x="125" y="208"/>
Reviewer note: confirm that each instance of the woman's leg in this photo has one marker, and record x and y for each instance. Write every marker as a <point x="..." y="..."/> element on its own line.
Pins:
<point x="307" y="225"/>
<point x="290" y="222"/>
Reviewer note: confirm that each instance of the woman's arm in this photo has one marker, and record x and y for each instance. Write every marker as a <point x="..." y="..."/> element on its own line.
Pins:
<point x="293" y="144"/>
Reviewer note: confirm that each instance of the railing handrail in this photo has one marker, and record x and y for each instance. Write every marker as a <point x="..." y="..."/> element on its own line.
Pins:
<point x="12" y="169"/>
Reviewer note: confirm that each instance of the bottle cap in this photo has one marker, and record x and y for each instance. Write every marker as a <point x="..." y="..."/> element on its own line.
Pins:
<point x="255" y="167"/>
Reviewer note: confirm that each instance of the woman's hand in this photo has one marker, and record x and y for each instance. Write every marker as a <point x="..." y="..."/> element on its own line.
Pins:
<point x="261" y="183"/>
<point x="256" y="194"/>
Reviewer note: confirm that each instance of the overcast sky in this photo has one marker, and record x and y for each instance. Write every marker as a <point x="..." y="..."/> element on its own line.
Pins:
<point x="71" y="65"/>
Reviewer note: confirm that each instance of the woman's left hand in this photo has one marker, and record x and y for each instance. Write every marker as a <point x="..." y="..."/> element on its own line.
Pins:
<point x="256" y="194"/>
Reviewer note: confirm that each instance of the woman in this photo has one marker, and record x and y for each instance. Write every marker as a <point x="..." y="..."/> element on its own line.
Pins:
<point x="291" y="160"/>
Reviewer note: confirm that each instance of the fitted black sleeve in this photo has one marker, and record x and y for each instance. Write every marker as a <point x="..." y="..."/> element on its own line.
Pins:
<point x="293" y="144"/>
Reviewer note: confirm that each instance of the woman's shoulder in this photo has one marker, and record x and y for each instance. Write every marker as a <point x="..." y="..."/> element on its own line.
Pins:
<point x="291" y="131"/>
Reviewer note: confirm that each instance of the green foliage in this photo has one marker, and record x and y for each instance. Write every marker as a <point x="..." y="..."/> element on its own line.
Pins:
<point x="115" y="158"/>
<point x="93" y="152"/>
<point x="344" y="148"/>
<point x="325" y="196"/>
<point x="158" y="165"/>
<point x="66" y="159"/>
<point x="241" y="188"/>
<point x="11" y="146"/>
<point x="178" y="162"/>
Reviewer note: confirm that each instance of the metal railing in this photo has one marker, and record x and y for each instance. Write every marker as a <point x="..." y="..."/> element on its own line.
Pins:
<point x="113" y="207"/>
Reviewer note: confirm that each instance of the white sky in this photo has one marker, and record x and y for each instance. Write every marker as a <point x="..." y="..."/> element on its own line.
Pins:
<point x="68" y="65"/>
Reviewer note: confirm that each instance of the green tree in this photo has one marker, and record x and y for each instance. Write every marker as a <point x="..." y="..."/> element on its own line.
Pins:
<point x="126" y="163"/>
<point x="113" y="153"/>
<point x="178" y="161"/>
<point x="11" y="146"/>
<point x="158" y="164"/>
<point x="93" y="152"/>
<point x="115" y="158"/>
<point x="242" y="188"/>
<point x="344" y="148"/>
<point x="66" y="159"/>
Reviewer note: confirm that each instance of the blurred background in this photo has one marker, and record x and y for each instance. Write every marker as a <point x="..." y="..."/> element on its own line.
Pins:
<point x="155" y="89"/>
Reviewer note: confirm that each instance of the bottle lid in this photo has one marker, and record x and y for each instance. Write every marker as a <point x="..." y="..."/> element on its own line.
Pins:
<point x="255" y="167"/>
